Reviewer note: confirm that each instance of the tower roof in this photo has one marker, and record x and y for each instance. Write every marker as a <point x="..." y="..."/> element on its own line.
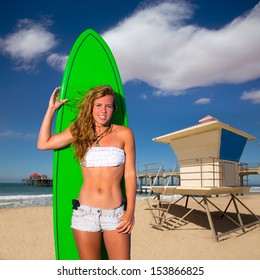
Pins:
<point x="206" y="124"/>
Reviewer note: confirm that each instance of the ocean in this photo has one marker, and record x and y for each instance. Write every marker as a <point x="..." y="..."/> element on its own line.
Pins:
<point x="15" y="195"/>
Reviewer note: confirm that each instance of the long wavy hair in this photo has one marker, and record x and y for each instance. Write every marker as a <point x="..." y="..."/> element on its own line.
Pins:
<point x="83" y="128"/>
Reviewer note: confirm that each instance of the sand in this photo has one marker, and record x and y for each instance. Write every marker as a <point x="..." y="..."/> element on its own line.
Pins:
<point x="27" y="234"/>
<point x="194" y="240"/>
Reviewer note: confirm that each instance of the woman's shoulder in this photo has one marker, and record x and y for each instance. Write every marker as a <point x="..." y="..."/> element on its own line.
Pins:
<point x="121" y="128"/>
<point x="123" y="132"/>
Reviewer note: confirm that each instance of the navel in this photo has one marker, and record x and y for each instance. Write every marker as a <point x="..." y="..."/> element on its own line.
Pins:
<point x="100" y="190"/>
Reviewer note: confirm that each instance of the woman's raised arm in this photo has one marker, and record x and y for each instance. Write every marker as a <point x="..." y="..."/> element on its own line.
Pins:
<point x="47" y="141"/>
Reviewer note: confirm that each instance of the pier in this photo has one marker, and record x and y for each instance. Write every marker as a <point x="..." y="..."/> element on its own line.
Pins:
<point x="37" y="180"/>
<point x="246" y="170"/>
<point x="250" y="169"/>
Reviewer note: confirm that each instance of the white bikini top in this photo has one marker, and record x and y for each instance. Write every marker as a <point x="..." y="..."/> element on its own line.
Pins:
<point x="103" y="156"/>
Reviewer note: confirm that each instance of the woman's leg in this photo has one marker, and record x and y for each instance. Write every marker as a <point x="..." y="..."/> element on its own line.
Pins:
<point x="88" y="244"/>
<point x="117" y="245"/>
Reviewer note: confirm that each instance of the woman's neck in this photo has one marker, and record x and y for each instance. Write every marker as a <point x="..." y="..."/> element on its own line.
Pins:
<point x="100" y="135"/>
<point x="101" y="128"/>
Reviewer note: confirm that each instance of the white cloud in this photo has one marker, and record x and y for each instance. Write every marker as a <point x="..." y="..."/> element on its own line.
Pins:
<point x="144" y="96"/>
<point x="168" y="93"/>
<point x="157" y="46"/>
<point x="253" y="96"/>
<point x="202" y="101"/>
<point x="57" y="61"/>
<point x="28" y="43"/>
<point x="11" y="134"/>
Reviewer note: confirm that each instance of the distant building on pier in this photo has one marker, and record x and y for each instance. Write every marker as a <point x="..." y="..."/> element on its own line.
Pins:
<point x="36" y="179"/>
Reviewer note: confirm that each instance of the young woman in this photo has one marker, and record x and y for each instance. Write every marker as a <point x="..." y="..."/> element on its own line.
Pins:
<point x="106" y="153"/>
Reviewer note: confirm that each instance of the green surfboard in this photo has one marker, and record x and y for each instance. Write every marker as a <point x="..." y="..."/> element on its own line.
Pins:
<point x="90" y="63"/>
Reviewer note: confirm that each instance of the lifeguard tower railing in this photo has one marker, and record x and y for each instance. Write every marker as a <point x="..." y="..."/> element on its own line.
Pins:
<point x="154" y="174"/>
<point x="210" y="172"/>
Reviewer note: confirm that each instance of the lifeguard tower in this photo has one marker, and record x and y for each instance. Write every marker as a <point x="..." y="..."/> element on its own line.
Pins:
<point x="208" y="155"/>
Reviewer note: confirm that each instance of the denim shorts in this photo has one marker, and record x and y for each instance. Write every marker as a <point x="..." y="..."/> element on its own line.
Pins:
<point x="85" y="218"/>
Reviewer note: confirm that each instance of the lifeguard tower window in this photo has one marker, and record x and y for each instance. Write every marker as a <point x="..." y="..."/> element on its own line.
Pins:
<point x="231" y="146"/>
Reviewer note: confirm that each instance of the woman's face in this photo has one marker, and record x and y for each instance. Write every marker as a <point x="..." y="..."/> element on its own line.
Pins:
<point x="103" y="109"/>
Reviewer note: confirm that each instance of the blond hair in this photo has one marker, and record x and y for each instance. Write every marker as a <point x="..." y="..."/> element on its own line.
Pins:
<point x="82" y="129"/>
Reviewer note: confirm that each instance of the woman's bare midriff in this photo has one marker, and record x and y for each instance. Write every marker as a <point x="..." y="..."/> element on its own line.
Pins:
<point x="101" y="187"/>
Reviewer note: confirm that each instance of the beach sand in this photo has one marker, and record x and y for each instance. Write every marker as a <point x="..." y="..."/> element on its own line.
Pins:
<point x="27" y="233"/>
<point x="194" y="240"/>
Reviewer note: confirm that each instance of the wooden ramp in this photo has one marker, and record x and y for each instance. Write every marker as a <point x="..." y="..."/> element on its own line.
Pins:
<point x="161" y="199"/>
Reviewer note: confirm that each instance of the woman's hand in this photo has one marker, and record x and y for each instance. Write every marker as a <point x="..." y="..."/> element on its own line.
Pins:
<point x="55" y="102"/>
<point x="127" y="224"/>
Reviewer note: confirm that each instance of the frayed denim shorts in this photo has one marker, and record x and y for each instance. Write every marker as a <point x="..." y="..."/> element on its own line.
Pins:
<point x="86" y="218"/>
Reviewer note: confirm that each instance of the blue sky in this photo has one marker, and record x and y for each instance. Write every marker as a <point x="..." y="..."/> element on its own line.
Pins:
<point x="179" y="61"/>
